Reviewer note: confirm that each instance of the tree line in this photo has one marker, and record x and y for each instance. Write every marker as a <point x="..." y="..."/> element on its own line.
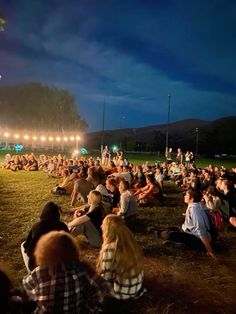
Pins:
<point x="39" y="107"/>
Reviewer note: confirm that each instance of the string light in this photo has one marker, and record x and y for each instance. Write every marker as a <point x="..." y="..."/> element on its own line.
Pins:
<point x="34" y="137"/>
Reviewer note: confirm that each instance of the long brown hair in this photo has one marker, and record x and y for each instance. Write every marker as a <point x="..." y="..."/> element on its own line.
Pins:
<point x="127" y="258"/>
<point x="56" y="248"/>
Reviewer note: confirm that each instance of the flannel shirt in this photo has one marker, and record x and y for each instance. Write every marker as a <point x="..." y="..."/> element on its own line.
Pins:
<point x="125" y="288"/>
<point x="59" y="290"/>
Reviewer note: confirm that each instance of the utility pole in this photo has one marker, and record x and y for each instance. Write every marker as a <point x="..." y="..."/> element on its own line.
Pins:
<point x="197" y="136"/>
<point x="103" y="125"/>
<point x="167" y="126"/>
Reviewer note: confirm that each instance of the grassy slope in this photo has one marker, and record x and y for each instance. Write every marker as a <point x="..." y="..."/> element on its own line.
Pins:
<point x="177" y="281"/>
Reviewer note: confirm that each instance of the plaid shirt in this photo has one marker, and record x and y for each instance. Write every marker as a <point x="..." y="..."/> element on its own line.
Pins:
<point x="125" y="288"/>
<point x="60" y="290"/>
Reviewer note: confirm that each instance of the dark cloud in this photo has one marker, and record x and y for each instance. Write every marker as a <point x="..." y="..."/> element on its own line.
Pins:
<point x="131" y="54"/>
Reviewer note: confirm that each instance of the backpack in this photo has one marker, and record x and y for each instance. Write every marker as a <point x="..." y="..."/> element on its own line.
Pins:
<point x="218" y="221"/>
<point x="214" y="232"/>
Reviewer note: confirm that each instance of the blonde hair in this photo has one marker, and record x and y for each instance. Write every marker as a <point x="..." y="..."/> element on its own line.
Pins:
<point x="56" y="248"/>
<point x="127" y="258"/>
<point x="95" y="197"/>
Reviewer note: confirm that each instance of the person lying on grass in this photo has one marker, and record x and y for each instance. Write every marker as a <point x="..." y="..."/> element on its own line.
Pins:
<point x="195" y="232"/>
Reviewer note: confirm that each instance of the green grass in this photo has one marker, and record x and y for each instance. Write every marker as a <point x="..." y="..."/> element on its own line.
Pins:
<point x="139" y="159"/>
<point x="178" y="281"/>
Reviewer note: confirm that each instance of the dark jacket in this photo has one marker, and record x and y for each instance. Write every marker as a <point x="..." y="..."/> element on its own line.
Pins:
<point x="49" y="221"/>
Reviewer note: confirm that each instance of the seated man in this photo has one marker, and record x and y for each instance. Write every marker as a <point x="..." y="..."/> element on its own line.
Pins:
<point x="196" y="227"/>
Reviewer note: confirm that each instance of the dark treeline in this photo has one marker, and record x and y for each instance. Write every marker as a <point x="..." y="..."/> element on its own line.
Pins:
<point x="211" y="137"/>
<point x="39" y="107"/>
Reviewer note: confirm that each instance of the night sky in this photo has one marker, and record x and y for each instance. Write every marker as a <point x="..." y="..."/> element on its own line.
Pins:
<point x="129" y="53"/>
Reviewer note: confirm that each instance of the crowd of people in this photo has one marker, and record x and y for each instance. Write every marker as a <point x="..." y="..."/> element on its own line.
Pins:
<point x="105" y="195"/>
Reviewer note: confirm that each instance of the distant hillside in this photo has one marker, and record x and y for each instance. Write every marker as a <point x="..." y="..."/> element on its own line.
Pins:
<point x="213" y="136"/>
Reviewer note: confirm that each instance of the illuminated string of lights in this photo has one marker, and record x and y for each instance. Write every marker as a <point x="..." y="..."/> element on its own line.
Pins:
<point x="17" y="136"/>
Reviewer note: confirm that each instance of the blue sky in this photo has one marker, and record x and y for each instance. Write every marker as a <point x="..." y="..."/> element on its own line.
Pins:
<point x="129" y="53"/>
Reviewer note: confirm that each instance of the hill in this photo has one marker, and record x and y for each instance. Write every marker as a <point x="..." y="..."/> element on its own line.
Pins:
<point x="211" y="137"/>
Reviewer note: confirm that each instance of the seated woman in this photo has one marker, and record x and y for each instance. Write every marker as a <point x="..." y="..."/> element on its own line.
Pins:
<point x="32" y="164"/>
<point x="66" y="187"/>
<point x="60" y="283"/>
<point x="111" y="169"/>
<point x="120" y="263"/>
<point x="49" y="220"/>
<point x="16" y="164"/>
<point x="88" y="221"/>
<point x="128" y="205"/>
<point x="93" y="177"/>
<point x="6" y="163"/>
<point x="151" y="193"/>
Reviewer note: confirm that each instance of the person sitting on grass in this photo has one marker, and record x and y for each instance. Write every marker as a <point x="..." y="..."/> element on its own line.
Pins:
<point x="7" y="161"/>
<point x="113" y="192"/>
<point x="120" y="264"/>
<point x="81" y="189"/>
<point x="60" y="283"/>
<point x="88" y="221"/>
<point x="151" y="193"/>
<point x="32" y="164"/>
<point x="12" y="300"/>
<point x="16" y="164"/>
<point x="66" y="187"/>
<point x="49" y="220"/>
<point x="128" y="205"/>
<point x="93" y="177"/>
<point x="196" y="229"/>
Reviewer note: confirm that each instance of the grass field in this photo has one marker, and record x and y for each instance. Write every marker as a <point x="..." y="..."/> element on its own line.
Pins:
<point x="178" y="281"/>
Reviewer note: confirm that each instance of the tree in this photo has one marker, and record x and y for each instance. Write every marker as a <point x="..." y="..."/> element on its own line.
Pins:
<point x="39" y="107"/>
<point x="2" y="23"/>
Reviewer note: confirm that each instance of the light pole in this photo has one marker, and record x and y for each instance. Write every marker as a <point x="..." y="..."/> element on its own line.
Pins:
<point x="122" y="118"/>
<point x="167" y="126"/>
<point x="103" y="126"/>
<point x="196" y="151"/>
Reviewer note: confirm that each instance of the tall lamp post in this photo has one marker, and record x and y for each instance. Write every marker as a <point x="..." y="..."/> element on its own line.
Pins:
<point x="122" y="118"/>
<point x="103" y="126"/>
<point x="197" y="136"/>
<point x="167" y="126"/>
